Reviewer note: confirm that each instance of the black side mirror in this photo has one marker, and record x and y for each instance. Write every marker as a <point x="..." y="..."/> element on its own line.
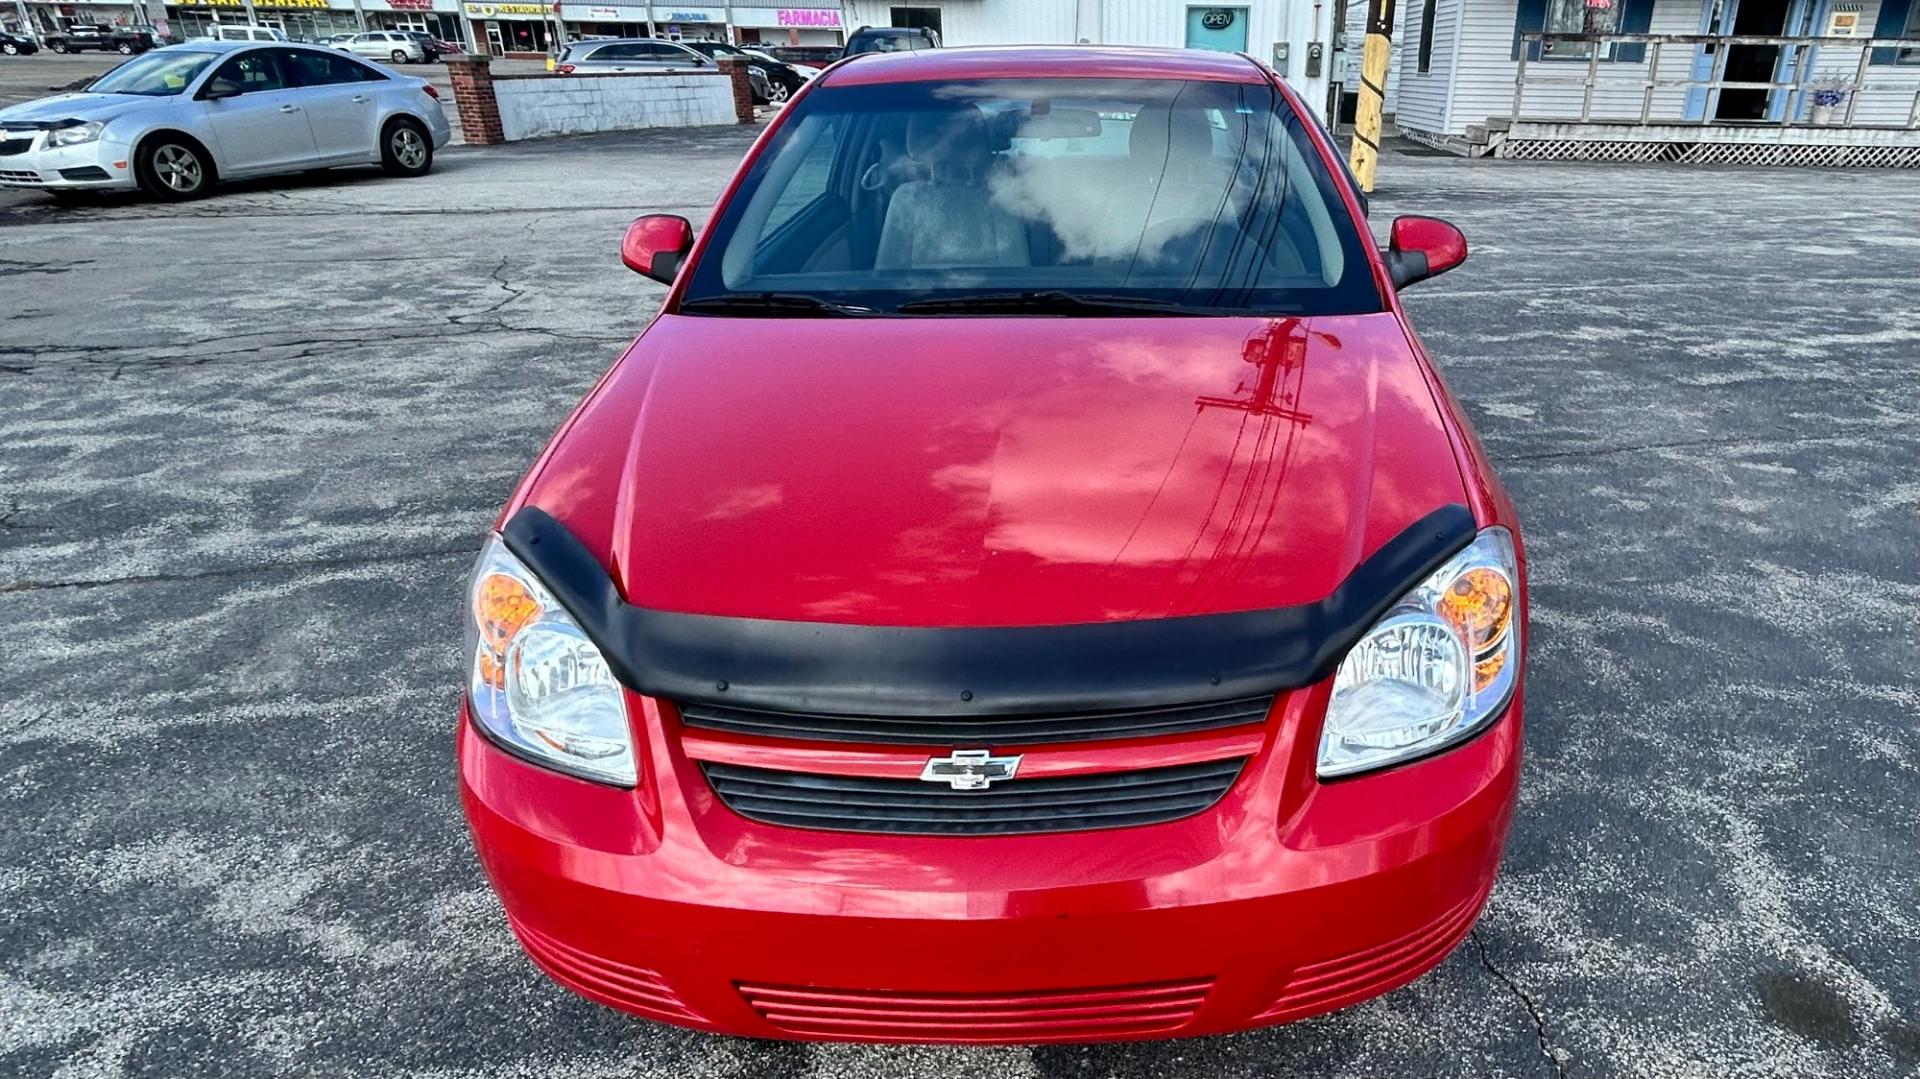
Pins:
<point x="219" y="88"/>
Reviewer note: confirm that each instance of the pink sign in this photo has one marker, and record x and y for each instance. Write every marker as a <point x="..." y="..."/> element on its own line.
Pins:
<point x="809" y="16"/>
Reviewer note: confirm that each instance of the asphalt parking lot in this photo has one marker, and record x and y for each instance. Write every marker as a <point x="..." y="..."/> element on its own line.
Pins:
<point x="251" y="445"/>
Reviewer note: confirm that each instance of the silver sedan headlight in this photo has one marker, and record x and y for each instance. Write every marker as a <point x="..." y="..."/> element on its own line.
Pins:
<point x="1437" y="668"/>
<point x="75" y="134"/>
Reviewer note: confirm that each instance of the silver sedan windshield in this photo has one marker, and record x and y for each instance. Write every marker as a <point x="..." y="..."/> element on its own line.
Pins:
<point x="162" y="73"/>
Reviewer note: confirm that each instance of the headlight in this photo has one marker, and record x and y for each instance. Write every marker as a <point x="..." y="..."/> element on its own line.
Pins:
<point x="1439" y="666"/>
<point x="757" y="72"/>
<point x="75" y="134"/>
<point x="536" y="682"/>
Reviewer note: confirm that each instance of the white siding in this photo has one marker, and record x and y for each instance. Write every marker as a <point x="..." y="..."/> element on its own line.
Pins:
<point x="1112" y="22"/>
<point x="1481" y="74"/>
<point x="1483" y="85"/>
<point x="1356" y="41"/>
<point x="1421" y="101"/>
<point x="1892" y="102"/>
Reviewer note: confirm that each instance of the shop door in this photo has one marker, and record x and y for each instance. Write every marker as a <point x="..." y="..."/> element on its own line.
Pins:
<point x="1222" y="29"/>
<point x="496" y="44"/>
<point x="1746" y="62"/>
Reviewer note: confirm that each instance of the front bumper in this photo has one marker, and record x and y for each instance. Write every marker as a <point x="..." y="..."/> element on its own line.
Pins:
<point x="1287" y="898"/>
<point x="104" y="165"/>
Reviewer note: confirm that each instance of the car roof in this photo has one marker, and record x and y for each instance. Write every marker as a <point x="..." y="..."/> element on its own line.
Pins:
<point x="213" y="45"/>
<point x="1044" y="62"/>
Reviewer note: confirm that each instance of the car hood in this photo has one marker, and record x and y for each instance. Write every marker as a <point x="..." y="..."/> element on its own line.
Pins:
<point x="1019" y="471"/>
<point x="78" y="106"/>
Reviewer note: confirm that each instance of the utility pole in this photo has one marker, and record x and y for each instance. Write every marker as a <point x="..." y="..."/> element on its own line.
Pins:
<point x="1373" y="91"/>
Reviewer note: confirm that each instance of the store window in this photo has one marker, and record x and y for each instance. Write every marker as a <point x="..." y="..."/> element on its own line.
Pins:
<point x="1583" y="17"/>
<point x="1426" y="38"/>
<point x="1580" y="17"/>
<point x="1898" y="19"/>
<point x="917" y="18"/>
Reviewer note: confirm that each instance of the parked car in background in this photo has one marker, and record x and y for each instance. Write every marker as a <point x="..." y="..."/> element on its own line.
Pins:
<point x="769" y="85"/>
<point x="338" y="41"/>
<point x="12" y="44"/>
<point x="99" y="37"/>
<point x="158" y="36"/>
<point x="175" y="121"/>
<point x="892" y="39"/>
<point x="245" y="32"/>
<point x="433" y="46"/>
<point x="803" y="72"/>
<point x="392" y="46"/>
<point x="818" y="56"/>
<point x="629" y="54"/>
<point x="985" y="717"/>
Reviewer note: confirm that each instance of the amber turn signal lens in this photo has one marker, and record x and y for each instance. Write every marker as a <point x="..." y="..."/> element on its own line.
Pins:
<point x="502" y="606"/>
<point x="1479" y="603"/>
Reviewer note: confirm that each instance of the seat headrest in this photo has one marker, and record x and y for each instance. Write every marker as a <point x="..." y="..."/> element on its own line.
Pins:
<point x="950" y="143"/>
<point x="1170" y="135"/>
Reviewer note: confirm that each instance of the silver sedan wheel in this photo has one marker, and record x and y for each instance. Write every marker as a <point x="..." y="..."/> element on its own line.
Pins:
<point x="408" y="147"/>
<point x="179" y="168"/>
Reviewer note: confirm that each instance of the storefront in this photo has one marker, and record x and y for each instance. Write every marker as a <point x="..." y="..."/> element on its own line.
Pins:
<point x="605" y="20"/>
<point x="54" y="18"/>
<point x="516" y="29"/>
<point x="788" y="25"/>
<point x="690" y="23"/>
<point x="441" y="18"/>
<point x="300" y="20"/>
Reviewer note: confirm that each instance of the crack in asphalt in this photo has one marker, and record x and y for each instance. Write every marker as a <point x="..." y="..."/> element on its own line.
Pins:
<point x="1526" y="1001"/>
<point x="467" y="550"/>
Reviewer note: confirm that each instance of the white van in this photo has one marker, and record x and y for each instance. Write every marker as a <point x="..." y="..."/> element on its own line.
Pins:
<point x="245" y="33"/>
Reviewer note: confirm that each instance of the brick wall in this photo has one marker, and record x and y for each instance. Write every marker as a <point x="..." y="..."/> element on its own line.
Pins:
<point x="508" y="108"/>
<point x="473" y="96"/>
<point x="735" y="68"/>
<point x="533" y="106"/>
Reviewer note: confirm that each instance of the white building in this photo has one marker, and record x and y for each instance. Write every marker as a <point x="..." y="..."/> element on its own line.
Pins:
<point x="1295" y="36"/>
<point x="1456" y="63"/>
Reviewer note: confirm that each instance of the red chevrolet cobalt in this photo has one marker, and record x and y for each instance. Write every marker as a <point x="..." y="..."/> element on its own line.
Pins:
<point x="1028" y="583"/>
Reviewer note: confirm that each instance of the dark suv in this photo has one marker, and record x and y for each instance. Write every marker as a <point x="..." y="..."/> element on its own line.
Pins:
<point x="892" y="39"/>
<point x="102" y="38"/>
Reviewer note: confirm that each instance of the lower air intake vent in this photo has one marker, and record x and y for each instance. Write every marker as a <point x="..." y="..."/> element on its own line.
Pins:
<point x="1050" y="1015"/>
<point x="1011" y="807"/>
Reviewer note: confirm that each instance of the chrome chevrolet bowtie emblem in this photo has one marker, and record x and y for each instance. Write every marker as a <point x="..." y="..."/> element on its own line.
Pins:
<point x="970" y="769"/>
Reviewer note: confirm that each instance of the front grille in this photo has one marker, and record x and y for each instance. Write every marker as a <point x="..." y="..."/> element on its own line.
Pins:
<point x="998" y="731"/>
<point x="15" y="176"/>
<point x="85" y="172"/>
<point x="9" y="147"/>
<point x="1011" y="807"/>
<point x="1044" y="1015"/>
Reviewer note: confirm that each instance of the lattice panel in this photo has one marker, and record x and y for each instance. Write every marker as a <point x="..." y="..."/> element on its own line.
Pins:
<point x="1713" y="153"/>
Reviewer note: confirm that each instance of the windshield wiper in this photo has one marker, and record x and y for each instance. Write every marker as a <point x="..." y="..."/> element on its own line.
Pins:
<point x="1045" y="302"/>
<point x="793" y="304"/>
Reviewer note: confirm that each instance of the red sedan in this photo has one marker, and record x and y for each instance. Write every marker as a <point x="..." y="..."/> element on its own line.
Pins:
<point x="1027" y="584"/>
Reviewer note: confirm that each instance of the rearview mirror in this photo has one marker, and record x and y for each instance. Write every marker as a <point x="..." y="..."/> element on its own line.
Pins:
<point x="1422" y="247"/>
<point x="655" y="244"/>
<point x="219" y="88"/>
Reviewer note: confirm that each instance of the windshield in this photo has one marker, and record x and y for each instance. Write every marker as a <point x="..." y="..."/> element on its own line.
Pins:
<point x="1202" y="197"/>
<point x="161" y="73"/>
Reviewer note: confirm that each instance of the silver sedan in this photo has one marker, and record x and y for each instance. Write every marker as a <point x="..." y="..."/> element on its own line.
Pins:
<point x="175" y="121"/>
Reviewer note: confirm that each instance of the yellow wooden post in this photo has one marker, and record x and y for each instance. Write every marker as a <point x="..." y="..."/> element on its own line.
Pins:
<point x="1373" y="91"/>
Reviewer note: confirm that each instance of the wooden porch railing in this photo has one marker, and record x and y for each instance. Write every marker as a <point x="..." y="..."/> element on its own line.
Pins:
<point x="1597" y="70"/>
